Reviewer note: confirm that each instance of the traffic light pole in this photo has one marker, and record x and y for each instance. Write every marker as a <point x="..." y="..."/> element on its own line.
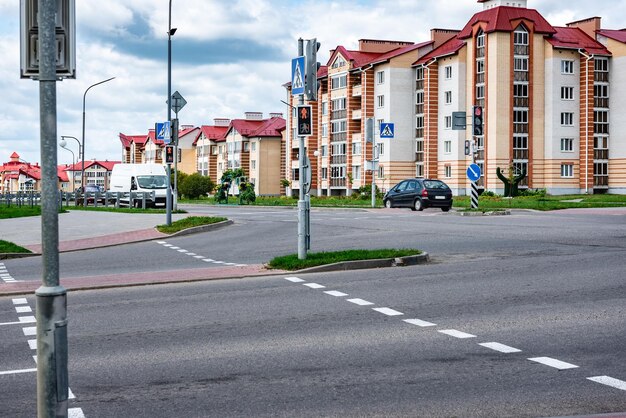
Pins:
<point x="302" y="204"/>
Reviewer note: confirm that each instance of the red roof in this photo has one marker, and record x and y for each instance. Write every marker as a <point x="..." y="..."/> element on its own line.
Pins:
<point x="271" y="127"/>
<point x="88" y="163"/>
<point x="399" y="51"/>
<point x="575" y="38"/>
<point x="618" y="35"/>
<point x="61" y="173"/>
<point x="15" y="155"/>
<point x="137" y="139"/>
<point x="506" y="19"/>
<point x="214" y="133"/>
<point x="357" y="58"/>
<point x="450" y="47"/>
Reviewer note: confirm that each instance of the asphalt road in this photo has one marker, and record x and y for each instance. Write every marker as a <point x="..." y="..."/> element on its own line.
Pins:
<point x="543" y="286"/>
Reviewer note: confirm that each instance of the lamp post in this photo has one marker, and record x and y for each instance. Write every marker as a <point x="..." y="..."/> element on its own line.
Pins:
<point x="63" y="144"/>
<point x="82" y="166"/>
<point x="170" y="32"/>
<point x="80" y="152"/>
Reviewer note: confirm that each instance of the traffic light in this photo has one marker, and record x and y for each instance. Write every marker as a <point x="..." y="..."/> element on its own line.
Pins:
<point x="169" y="154"/>
<point x="477" y="120"/>
<point x="305" y="120"/>
<point x="311" y="64"/>
<point x="468" y="149"/>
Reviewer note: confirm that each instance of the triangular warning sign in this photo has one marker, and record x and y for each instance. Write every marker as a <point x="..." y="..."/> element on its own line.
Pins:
<point x="297" y="82"/>
<point x="387" y="132"/>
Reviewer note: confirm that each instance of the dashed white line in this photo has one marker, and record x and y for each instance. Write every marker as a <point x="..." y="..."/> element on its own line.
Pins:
<point x="32" y="344"/>
<point x="75" y="413"/>
<point x="294" y="279"/>
<point x="161" y="242"/>
<point x="359" y="302"/>
<point x="456" y="334"/>
<point x="183" y="251"/>
<point x="18" y="371"/>
<point x="28" y="331"/>
<point x="388" y="311"/>
<point x="23" y="309"/>
<point x="500" y="347"/>
<point x="419" y="322"/>
<point x="557" y="364"/>
<point x="315" y="285"/>
<point x="168" y="245"/>
<point x="208" y="260"/>
<point x="191" y="253"/>
<point x="609" y="381"/>
<point x="335" y="293"/>
<point x="198" y="256"/>
<point x="27" y="319"/>
<point x="174" y="248"/>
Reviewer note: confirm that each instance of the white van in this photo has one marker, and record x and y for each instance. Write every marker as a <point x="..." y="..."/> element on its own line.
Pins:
<point x="138" y="178"/>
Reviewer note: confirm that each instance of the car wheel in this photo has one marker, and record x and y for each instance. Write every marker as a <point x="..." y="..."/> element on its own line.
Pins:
<point x="418" y="205"/>
<point x="446" y="209"/>
<point x="388" y="204"/>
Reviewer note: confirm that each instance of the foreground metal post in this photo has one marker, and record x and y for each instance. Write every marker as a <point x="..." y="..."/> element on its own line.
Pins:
<point x="301" y="201"/>
<point x="52" y="377"/>
<point x="168" y="196"/>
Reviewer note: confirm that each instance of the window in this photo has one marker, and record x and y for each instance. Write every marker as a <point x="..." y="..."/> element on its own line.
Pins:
<point x="356" y="172"/>
<point x="447" y="147"/>
<point x="419" y="73"/>
<point x="520" y="37"/>
<point x="253" y="164"/>
<point x="356" y="148"/>
<point x="381" y="172"/>
<point x="567" y="67"/>
<point x="339" y="149"/>
<point x="381" y="149"/>
<point x="480" y="40"/>
<point x="419" y="122"/>
<point x="520" y="90"/>
<point x="601" y="122"/>
<point x="448" y="121"/>
<point x="339" y="62"/>
<point x="339" y="82"/>
<point x="324" y="108"/>
<point x="480" y="91"/>
<point x="419" y="170"/>
<point x="567" y="119"/>
<point x="380" y="77"/>
<point x="567" y="144"/>
<point x="448" y="171"/>
<point x="246" y="146"/>
<point x="567" y="93"/>
<point x="419" y="97"/>
<point x="213" y="149"/>
<point x="567" y="170"/>
<point x="339" y="104"/>
<point x="480" y="66"/>
<point x="339" y="126"/>
<point x="324" y="173"/>
<point x="380" y="100"/>
<point x="324" y="130"/>
<point x="324" y="150"/>
<point x="378" y="123"/>
<point x="448" y="70"/>
<point x="448" y="95"/>
<point x="520" y="64"/>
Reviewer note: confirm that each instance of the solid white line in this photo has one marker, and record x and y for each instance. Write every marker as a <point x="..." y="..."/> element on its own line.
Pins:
<point x="27" y="319"/>
<point x="28" y="331"/>
<point x="315" y="286"/>
<point x="10" y="281"/>
<point x="23" y="309"/>
<point x="75" y="413"/>
<point x="456" y="334"/>
<point x="388" y="311"/>
<point x="294" y="279"/>
<point x="335" y="293"/>
<point x="32" y="344"/>
<point x="500" y="347"/>
<point x="557" y="364"/>
<point x="359" y="302"/>
<point x="10" y="323"/>
<point x="609" y="381"/>
<point x="18" y="371"/>
<point x="419" y="322"/>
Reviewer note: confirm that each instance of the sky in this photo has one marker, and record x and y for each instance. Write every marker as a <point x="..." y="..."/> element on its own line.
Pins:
<point x="228" y="57"/>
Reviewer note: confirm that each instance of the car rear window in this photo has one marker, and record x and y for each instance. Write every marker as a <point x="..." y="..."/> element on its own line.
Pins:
<point x="435" y="184"/>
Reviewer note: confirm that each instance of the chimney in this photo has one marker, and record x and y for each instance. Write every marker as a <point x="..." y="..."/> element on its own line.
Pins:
<point x="380" y="46"/>
<point x="221" y="121"/>
<point x="441" y="36"/>
<point x="254" y="115"/>
<point x="589" y="26"/>
<point x="276" y="115"/>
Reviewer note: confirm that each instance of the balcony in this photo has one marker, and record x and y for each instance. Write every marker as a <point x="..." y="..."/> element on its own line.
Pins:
<point x="356" y="114"/>
<point x="520" y="154"/>
<point x="601" y="154"/>
<point x="357" y="90"/>
<point x="338" y="182"/>
<point x="601" y="181"/>
<point x="338" y="159"/>
<point x="339" y="114"/>
<point x="338" y="137"/>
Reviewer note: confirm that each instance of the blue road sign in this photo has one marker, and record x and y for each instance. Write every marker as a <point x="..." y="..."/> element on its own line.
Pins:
<point x="473" y="172"/>
<point x="162" y="131"/>
<point x="297" y="76"/>
<point x="386" y="130"/>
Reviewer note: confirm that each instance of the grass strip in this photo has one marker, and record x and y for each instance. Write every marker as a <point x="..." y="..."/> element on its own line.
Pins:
<point x="9" y="247"/>
<point x="8" y="212"/>
<point x="189" y="222"/>
<point x="291" y="261"/>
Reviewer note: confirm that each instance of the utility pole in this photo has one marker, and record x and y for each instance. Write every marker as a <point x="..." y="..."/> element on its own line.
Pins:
<point x="302" y="213"/>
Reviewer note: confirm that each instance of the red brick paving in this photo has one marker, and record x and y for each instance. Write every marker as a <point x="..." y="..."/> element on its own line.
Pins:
<point x="104" y="241"/>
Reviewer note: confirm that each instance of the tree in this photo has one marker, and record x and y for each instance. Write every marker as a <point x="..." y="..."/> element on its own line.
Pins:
<point x="195" y="185"/>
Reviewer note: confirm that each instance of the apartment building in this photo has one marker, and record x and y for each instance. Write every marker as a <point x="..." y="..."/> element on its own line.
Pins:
<point x="207" y="146"/>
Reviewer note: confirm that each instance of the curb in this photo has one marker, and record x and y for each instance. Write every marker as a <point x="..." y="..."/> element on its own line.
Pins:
<point x="409" y="260"/>
<point x="490" y="213"/>
<point x="201" y="228"/>
<point x="9" y="256"/>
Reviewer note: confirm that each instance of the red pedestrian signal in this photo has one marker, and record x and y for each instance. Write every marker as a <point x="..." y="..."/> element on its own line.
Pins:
<point x="169" y="154"/>
<point x="304" y="120"/>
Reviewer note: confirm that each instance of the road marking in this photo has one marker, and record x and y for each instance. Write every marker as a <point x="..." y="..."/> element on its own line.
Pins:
<point x="315" y="286"/>
<point x="500" y="347"/>
<point x="456" y="334"/>
<point x="23" y="309"/>
<point x="359" y="302"/>
<point x="27" y="319"/>
<point x="18" y="371"/>
<point x="161" y="242"/>
<point x="183" y="251"/>
<point x="191" y="253"/>
<point x="19" y="301"/>
<point x="335" y="293"/>
<point x="168" y="245"/>
<point x="32" y="344"/>
<point x="609" y="381"/>
<point x="294" y="279"/>
<point x="388" y="311"/>
<point x="28" y="331"/>
<point x="557" y="364"/>
<point x="70" y="394"/>
<point x="240" y="265"/>
<point x="217" y="262"/>
<point x="35" y="358"/>
<point x="419" y="322"/>
<point x="75" y="413"/>
<point x="174" y="248"/>
<point x="208" y="260"/>
<point x="198" y="256"/>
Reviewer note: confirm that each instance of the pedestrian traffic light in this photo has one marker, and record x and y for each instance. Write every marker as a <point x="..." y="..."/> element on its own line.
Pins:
<point x="169" y="154"/>
<point x="468" y="150"/>
<point x="477" y="120"/>
<point x="305" y="121"/>
<point x="310" y="80"/>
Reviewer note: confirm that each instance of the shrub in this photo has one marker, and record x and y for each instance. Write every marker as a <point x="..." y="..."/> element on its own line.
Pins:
<point x="195" y="185"/>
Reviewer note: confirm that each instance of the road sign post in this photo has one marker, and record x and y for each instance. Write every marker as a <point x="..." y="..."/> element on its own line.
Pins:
<point x="473" y="174"/>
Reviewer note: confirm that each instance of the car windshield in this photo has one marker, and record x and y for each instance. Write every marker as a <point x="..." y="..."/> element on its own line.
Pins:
<point x="152" y="182"/>
<point x="435" y="184"/>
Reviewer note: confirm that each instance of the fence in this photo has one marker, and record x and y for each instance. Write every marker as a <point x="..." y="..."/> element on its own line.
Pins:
<point x="103" y="199"/>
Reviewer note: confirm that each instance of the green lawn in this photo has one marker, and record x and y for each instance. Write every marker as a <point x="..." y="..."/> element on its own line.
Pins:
<point x="547" y="202"/>
<point x="291" y="261"/>
<point x="7" y="212"/>
<point x="9" y="247"/>
<point x="189" y="222"/>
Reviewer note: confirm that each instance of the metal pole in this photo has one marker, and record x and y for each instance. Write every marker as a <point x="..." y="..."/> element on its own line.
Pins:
<point x="175" y="195"/>
<point x="80" y="153"/>
<point x="73" y="164"/>
<point x="82" y="167"/>
<point x="302" y="247"/>
<point x="168" y="196"/>
<point x="52" y="385"/>
<point x="374" y="167"/>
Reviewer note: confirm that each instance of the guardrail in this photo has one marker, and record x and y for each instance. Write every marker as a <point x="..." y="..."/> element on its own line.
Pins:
<point x="105" y="199"/>
<point x="20" y="199"/>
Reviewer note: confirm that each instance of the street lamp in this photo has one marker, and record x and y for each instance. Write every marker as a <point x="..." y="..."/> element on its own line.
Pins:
<point x="80" y="152"/>
<point x="170" y="32"/>
<point x="63" y="144"/>
<point x="82" y="166"/>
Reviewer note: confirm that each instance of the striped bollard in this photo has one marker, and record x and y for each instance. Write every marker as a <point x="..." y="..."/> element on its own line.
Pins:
<point x="474" y="196"/>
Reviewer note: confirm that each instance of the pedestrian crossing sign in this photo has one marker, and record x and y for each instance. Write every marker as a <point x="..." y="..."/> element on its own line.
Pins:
<point x="386" y="130"/>
<point x="297" y="76"/>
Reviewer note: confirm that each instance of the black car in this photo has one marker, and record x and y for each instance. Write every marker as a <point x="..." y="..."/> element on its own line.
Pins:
<point x="419" y="194"/>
